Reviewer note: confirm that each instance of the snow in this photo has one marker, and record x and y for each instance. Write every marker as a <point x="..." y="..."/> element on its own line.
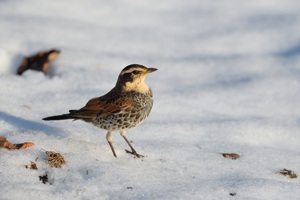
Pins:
<point x="228" y="82"/>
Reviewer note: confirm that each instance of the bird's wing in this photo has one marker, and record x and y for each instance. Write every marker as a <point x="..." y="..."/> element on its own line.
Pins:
<point x="102" y="107"/>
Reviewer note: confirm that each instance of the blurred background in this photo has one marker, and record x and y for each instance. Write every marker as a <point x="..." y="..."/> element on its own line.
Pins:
<point x="169" y="33"/>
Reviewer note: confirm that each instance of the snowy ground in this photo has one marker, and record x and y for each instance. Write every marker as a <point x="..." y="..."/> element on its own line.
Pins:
<point x="228" y="81"/>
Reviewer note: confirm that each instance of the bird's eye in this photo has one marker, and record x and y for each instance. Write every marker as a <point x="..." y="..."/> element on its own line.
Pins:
<point x="136" y="72"/>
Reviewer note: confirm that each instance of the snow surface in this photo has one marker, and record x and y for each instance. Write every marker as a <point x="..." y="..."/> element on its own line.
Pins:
<point x="228" y="82"/>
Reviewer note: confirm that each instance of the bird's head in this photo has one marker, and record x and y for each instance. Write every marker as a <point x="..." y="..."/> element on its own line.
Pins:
<point x="132" y="78"/>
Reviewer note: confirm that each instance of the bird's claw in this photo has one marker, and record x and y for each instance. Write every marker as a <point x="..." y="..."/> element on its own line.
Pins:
<point x="134" y="153"/>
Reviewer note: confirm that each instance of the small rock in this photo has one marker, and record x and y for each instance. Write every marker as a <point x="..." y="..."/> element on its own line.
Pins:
<point x="44" y="178"/>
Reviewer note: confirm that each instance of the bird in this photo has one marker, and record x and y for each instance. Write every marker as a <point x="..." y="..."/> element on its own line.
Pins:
<point x="125" y="106"/>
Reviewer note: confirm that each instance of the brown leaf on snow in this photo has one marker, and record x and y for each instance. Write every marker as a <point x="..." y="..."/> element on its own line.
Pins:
<point x="24" y="145"/>
<point x="55" y="159"/>
<point x="32" y="166"/>
<point x="4" y="143"/>
<point x="288" y="173"/>
<point x="38" y="62"/>
<point x="232" y="156"/>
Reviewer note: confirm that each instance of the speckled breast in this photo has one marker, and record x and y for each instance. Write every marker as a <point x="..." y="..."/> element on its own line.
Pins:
<point x="129" y="117"/>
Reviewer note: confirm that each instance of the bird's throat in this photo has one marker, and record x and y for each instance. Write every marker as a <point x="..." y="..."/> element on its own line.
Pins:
<point x="138" y="85"/>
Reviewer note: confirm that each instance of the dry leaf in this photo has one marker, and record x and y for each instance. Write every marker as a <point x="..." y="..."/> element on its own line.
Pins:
<point x="4" y="143"/>
<point x="55" y="159"/>
<point x="24" y="145"/>
<point x="32" y="166"/>
<point x="26" y="106"/>
<point x="38" y="62"/>
<point x="232" y="156"/>
<point x="288" y="173"/>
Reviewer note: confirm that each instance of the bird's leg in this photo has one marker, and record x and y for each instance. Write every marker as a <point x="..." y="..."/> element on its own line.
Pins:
<point x="133" y="151"/>
<point x="109" y="139"/>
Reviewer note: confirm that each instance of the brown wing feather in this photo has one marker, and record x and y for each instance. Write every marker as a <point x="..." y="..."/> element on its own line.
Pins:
<point x="100" y="107"/>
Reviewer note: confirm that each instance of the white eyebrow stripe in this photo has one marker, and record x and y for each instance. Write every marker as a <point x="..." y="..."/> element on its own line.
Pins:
<point x="131" y="70"/>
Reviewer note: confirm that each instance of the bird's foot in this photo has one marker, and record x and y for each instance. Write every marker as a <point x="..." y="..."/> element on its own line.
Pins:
<point x="134" y="153"/>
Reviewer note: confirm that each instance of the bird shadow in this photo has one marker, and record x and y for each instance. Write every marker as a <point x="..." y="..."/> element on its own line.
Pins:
<point x="24" y="124"/>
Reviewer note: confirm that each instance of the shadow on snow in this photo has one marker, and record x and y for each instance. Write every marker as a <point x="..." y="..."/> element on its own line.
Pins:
<point x="25" y="124"/>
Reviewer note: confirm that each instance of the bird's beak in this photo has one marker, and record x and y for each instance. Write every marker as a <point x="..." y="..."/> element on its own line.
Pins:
<point x="150" y="70"/>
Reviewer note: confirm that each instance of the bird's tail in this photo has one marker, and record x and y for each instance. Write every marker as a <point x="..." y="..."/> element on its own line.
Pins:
<point x="71" y="115"/>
